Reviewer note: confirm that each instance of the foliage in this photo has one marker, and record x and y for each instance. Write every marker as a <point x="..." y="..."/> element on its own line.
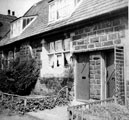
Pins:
<point x="20" y="77"/>
<point x="56" y="83"/>
<point x="16" y="104"/>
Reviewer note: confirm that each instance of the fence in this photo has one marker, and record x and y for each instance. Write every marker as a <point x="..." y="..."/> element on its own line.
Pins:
<point x="24" y="104"/>
<point x="81" y="112"/>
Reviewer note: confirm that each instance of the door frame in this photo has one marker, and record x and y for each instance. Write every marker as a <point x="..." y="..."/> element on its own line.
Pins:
<point x="105" y="96"/>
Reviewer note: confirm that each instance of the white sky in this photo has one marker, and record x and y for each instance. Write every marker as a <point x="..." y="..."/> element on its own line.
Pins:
<point x="19" y="6"/>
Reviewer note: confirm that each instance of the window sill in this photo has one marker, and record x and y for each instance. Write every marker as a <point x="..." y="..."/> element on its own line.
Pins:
<point x="59" y="52"/>
<point x="58" y="20"/>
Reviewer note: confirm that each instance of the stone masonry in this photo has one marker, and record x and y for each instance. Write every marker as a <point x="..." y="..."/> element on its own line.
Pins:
<point x="95" y="76"/>
<point x="100" y="35"/>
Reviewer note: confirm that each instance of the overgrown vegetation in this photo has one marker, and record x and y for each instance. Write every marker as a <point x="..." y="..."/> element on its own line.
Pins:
<point x="20" y="77"/>
<point x="109" y="111"/>
<point x="54" y="84"/>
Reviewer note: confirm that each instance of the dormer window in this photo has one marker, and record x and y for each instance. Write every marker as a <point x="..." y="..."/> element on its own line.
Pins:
<point x="60" y="9"/>
<point x="26" y="21"/>
<point x="19" y="25"/>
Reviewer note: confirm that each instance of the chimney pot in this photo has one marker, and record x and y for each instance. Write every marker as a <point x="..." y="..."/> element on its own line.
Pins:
<point x="13" y="13"/>
<point x="9" y="11"/>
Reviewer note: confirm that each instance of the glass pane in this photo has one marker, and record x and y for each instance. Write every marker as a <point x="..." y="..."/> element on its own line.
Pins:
<point x="59" y="60"/>
<point x="51" y="61"/>
<point x="24" y="23"/>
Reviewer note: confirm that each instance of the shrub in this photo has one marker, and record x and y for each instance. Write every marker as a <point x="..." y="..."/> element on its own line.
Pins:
<point x="20" y="77"/>
<point x="54" y="84"/>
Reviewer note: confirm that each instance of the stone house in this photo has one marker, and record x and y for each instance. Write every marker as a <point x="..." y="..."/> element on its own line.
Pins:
<point x="90" y="35"/>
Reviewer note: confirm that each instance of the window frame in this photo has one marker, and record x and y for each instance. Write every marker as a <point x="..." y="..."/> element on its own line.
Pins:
<point x="55" y="53"/>
<point x="74" y="4"/>
<point x="17" y="26"/>
<point x="50" y="13"/>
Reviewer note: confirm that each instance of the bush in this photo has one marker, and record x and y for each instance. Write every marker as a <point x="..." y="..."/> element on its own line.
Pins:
<point x="54" y="84"/>
<point x="20" y="78"/>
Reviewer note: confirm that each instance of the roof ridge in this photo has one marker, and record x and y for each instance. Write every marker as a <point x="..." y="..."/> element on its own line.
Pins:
<point x="8" y="16"/>
<point x="33" y="6"/>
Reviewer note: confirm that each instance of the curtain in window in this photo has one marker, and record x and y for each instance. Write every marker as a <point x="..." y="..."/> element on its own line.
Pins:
<point x="59" y="60"/>
<point x="51" y="61"/>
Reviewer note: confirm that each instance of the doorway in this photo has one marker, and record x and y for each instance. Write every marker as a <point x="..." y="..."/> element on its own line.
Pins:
<point x="110" y="73"/>
<point x="82" y="78"/>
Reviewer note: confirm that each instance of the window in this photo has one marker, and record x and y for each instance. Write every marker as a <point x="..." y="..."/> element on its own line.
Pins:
<point x="59" y="53"/>
<point x="26" y="21"/>
<point x="52" y="11"/>
<point x="64" y="7"/>
<point x="67" y="44"/>
<point x="60" y="9"/>
<point x="19" y="25"/>
<point x="77" y="1"/>
<point x="51" y="61"/>
<point x="58" y="46"/>
<point x="59" y="60"/>
<point x="51" y="47"/>
<point x="67" y="59"/>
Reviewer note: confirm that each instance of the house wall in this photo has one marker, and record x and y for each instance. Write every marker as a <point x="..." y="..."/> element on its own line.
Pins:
<point x="94" y="36"/>
<point x="49" y="67"/>
<point x="101" y="36"/>
<point x="24" y="50"/>
<point x="106" y="33"/>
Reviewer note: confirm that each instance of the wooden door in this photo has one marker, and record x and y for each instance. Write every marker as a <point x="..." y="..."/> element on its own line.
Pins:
<point x="82" y="80"/>
<point x="110" y="76"/>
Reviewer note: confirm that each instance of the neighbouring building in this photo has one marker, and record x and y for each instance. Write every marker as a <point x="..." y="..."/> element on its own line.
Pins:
<point x="5" y="21"/>
<point x="92" y="35"/>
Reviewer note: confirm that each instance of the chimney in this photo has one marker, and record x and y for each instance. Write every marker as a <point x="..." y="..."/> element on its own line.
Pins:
<point x="9" y="11"/>
<point x="13" y="13"/>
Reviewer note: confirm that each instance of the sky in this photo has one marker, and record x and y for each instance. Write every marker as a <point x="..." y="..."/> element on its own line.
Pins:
<point x="19" y="6"/>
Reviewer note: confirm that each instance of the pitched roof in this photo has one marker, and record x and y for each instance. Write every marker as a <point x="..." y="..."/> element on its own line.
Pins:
<point x="5" y="24"/>
<point x="7" y="17"/>
<point x="87" y="9"/>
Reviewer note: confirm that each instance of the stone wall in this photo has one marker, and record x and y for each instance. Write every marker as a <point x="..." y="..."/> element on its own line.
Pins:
<point x="100" y="35"/>
<point x="95" y="76"/>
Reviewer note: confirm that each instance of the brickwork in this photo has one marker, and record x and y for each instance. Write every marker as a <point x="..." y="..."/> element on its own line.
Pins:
<point x="100" y="35"/>
<point x="95" y="76"/>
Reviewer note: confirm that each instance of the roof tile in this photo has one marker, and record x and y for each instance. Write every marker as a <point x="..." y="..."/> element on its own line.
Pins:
<point x="86" y="10"/>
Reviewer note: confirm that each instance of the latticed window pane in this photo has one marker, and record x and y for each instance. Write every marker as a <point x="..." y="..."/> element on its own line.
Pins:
<point x="58" y="45"/>
<point x="51" y="61"/>
<point x="52" y="12"/>
<point x="51" y="47"/>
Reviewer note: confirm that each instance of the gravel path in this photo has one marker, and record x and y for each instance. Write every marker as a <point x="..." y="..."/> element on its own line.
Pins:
<point x="17" y="117"/>
<point x="5" y="115"/>
<point x="58" y="113"/>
